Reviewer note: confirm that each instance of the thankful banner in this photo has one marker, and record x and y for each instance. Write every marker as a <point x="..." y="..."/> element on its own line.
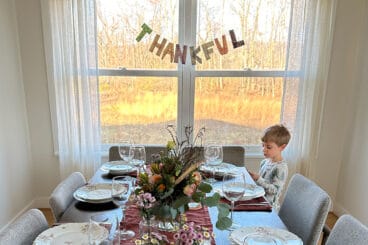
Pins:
<point x="177" y="51"/>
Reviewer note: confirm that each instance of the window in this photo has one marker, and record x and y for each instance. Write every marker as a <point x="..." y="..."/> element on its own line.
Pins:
<point x="241" y="81"/>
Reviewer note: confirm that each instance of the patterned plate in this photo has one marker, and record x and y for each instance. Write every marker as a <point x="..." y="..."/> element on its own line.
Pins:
<point x="118" y="167"/>
<point x="264" y="235"/>
<point x="97" y="193"/>
<point x="71" y="233"/>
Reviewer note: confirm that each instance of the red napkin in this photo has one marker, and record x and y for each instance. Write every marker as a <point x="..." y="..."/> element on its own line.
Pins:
<point x="259" y="206"/>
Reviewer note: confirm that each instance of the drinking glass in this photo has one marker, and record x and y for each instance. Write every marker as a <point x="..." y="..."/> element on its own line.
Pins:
<point x="233" y="188"/>
<point x="98" y="230"/>
<point x="213" y="155"/>
<point x="121" y="188"/>
<point x="124" y="151"/>
<point x="138" y="153"/>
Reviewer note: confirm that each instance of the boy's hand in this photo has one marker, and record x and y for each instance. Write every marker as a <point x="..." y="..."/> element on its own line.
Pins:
<point x="254" y="176"/>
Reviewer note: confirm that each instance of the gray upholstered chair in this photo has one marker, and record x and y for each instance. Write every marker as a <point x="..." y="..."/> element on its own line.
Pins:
<point x="24" y="229"/>
<point x="234" y="154"/>
<point x="151" y="149"/>
<point x="62" y="196"/>
<point x="348" y="230"/>
<point x="304" y="209"/>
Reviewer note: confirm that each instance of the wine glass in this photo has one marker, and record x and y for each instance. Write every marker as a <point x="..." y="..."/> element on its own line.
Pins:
<point x="121" y="188"/>
<point x="233" y="188"/>
<point x="124" y="151"/>
<point x="138" y="153"/>
<point x="213" y="155"/>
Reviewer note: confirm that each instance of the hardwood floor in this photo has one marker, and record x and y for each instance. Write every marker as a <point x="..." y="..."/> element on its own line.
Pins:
<point x="331" y="220"/>
<point x="48" y="214"/>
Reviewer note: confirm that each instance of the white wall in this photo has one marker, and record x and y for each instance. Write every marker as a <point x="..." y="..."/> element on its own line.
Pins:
<point x="353" y="178"/>
<point x="34" y="76"/>
<point x="339" y="157"/>
<point x="16" y="170"/>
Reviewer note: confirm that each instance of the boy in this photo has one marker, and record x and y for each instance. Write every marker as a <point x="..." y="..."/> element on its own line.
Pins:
<point x="273" y="170"/>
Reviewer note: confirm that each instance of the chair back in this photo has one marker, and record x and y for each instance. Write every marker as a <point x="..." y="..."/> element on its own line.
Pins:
<point x="348" y="230"/>
<point x="234" y="154"/>
<point x="304" y="209"/>
<point x="150" y="149"/>
<point x="24" y="229"/>
<point x="62" y="196"/>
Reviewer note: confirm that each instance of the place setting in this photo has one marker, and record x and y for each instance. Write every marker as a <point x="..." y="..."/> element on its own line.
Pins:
<point x="254" y="235"/>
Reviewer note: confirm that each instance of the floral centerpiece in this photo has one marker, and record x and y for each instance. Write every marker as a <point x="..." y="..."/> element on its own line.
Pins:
<point x="173" y="181"/>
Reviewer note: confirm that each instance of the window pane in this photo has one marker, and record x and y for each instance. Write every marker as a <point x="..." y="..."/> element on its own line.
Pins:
<point x="119" y="23"/>
<point x="236" y="110"/>
<point x="262" y="25"/>
<point x="137" y="106"/>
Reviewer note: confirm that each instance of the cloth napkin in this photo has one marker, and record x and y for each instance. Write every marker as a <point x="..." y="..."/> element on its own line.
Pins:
<point x="249" y="207"/>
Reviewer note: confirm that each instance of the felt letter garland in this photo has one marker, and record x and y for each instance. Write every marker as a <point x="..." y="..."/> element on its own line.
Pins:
<point x="181" y="53"/>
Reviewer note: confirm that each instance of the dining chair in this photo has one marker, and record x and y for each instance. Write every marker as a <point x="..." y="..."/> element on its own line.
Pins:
<point x="62" y="196"/>
<point x="231" y="154"/>
<point x="150" y="150"/>
<point x="24" y="229"/>
<point x="304" y="209"/>
<point x="234" y="154"/>
<point x="348" y="230"/>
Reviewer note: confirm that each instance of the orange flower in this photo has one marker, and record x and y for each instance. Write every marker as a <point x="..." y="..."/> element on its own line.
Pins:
<point x="189" y="189"/>
<point x="155" y="178"/>
<point x="197" y="177"/>
<point x="161" y="187"/>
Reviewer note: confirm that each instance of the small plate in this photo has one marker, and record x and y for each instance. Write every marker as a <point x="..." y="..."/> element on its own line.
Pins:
<point x="97" y="193"/>
<point x="70" y="233"/>
<point x="264" y="235"/>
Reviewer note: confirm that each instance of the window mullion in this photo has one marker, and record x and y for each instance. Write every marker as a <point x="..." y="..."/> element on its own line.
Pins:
<point x="187" y="30"/>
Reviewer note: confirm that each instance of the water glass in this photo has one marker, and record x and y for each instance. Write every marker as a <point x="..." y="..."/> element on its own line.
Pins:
<point x="233" y="188"/>
<point x="98" y="229"/>
<point x="138" y="153"/>
<point x="124" y="151"/>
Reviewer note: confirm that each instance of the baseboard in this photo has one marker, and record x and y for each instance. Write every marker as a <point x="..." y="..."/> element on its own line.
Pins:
<point x="40" y="202"/>
<point x="339" y="209"/>
<point x="27" y="207"/>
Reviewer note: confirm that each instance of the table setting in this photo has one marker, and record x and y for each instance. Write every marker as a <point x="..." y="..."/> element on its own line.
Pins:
<point x="162" y="202"/>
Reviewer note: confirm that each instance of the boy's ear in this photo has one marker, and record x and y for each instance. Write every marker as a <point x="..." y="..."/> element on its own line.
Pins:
<point x="282" y="147"/>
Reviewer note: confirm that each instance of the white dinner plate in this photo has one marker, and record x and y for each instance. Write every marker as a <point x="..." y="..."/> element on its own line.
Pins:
<point x="251" y="191"/>
<point x="220" y="170"/>
<point x="70" y="233"/>
<point x="264" y="236"/>
<point x="97" y="193"/>
<point x="118" y="167"/>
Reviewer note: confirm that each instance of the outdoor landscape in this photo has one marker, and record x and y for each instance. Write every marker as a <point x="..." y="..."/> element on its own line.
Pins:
<point x="235" y="108"/>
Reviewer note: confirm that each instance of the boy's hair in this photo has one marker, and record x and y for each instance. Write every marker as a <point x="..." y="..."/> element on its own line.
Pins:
<point x="278" y="134"/>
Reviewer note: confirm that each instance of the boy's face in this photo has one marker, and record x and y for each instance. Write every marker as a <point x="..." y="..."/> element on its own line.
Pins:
<point x="272" y="150"/>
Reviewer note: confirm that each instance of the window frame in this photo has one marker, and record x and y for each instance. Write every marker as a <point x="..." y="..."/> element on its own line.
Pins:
<point x="187" y="74"/>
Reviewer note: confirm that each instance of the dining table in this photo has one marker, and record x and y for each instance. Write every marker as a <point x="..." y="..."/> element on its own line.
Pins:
<point x="81" y="211"/>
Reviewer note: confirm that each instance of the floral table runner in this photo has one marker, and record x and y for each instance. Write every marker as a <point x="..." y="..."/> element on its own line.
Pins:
<point x="200" y="217"/>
